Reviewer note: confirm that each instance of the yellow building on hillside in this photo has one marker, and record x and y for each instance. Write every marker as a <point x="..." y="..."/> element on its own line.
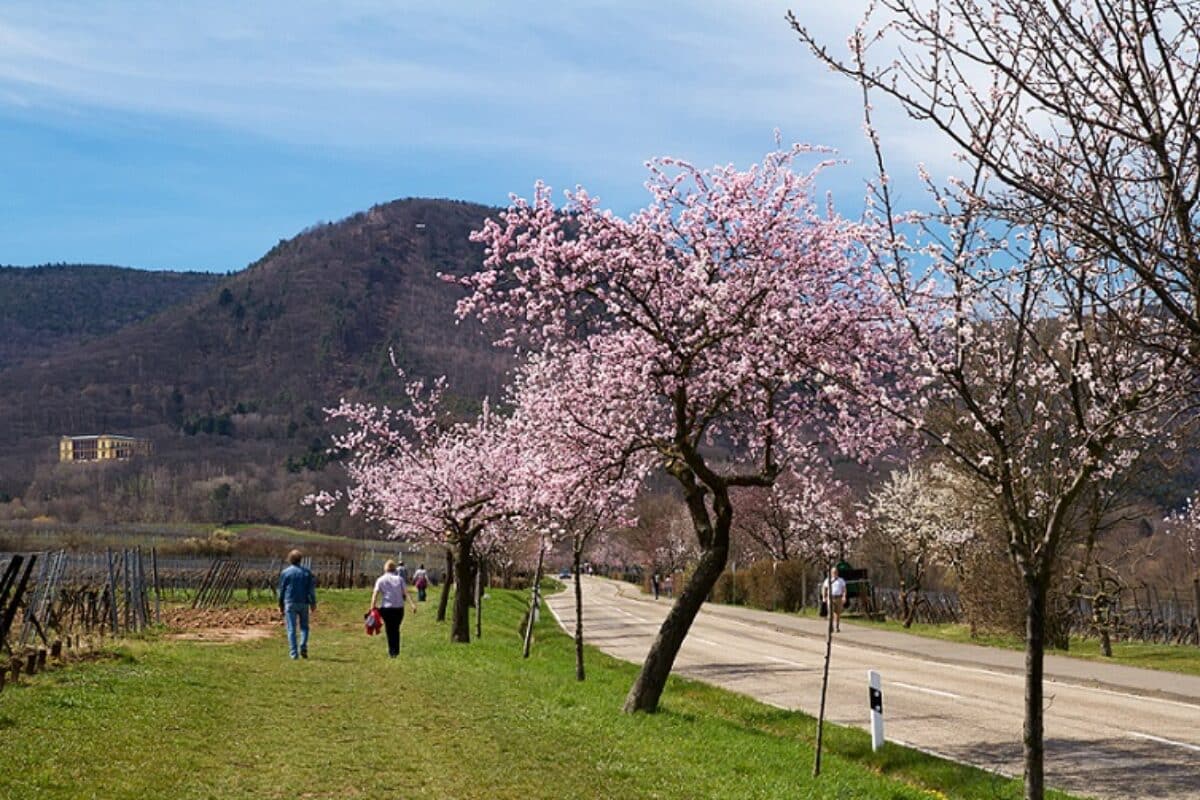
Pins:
<point x="105" y="447"/>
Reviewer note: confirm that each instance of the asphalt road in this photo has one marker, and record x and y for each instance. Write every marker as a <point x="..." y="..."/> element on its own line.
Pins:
<point x="1112" y="732"/>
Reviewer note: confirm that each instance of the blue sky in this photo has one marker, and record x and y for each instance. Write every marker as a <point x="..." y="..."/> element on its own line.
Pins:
<point x="195" y="135"/>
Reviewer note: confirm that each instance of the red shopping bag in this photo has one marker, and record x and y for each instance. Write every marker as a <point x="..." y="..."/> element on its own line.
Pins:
<point x="373" y="621"/>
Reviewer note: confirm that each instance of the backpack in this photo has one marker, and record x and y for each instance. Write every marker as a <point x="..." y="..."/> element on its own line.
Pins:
<point x="373" y="621"/>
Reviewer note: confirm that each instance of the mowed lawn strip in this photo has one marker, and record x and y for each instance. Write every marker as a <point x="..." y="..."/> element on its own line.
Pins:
<point x="1182" y="658"/>
<point x="197" y="720"/>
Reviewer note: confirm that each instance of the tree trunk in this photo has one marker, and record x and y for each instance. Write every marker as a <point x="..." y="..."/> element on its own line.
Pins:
<point x="1035" y="652"/>
<point x="444" y="600"/>
<point x="480" y="569"/>
<point x="1196" y="600"/>
<point x="534" y="601"/>
<point x="460" y="630"/>
<point x="907" y="611"/>
<point x="651" y="681"/>
<point x="824" y="687"/>
<point x="578" y="618"/>
<point x="774" y="584"/>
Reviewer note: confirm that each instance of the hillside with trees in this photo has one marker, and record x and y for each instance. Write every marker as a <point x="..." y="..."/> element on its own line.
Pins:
<point x="231" y="384"/>
<point x="49" y="308"/>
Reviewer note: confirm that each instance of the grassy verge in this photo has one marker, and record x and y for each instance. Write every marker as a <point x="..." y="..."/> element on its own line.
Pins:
<point x="297" y="535"/>
<point x="1168" y="657"/>
<point x="195" y="720"/>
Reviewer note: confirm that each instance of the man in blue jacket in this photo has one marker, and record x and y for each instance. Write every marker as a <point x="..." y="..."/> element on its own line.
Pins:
<point x="297" y="596"/>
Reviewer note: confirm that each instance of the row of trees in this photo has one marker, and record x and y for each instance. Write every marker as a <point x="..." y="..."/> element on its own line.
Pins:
<point x="1037" y="329"/>
<point x="1053" y="290"/>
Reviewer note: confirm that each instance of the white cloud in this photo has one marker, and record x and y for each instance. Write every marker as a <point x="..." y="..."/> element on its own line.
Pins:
<point x="588" y="83"/>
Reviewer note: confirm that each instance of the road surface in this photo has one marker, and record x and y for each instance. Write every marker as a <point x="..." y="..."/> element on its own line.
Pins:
<point x="1112" y="732"/>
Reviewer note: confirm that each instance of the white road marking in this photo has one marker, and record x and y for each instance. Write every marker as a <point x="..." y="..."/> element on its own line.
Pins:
<point x="1161" y="740"/>
<point x="937" y="692"/>
<point x="554" y="614"/>
<point x="785" y="661"/>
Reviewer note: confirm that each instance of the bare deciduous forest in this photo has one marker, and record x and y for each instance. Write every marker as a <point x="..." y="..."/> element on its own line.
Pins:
<point x="229" y="375"/>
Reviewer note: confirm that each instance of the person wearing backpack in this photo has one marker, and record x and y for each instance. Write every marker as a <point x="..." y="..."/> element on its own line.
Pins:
<point x="421" y="581"/>
<point x="389" y="596"/>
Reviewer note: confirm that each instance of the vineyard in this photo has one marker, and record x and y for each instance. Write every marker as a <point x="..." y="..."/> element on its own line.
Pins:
<point x="1147" y="614"/>
<point x="60" y="605"/>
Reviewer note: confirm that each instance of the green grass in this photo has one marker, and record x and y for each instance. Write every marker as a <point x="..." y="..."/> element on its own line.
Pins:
<point x="297" y="535"/>
<point x="1168" y="657"/>
<point x="189" y="720"/>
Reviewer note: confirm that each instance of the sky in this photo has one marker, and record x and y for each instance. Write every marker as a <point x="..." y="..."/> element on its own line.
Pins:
<point x="169" y="135"/>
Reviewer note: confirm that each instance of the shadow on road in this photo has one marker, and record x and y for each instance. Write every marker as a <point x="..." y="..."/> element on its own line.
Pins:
<point x="1113" y="767"/>
<point x="750" y="668"/>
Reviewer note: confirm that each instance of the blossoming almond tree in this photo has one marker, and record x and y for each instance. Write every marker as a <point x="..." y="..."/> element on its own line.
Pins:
<point x="1034" y="386"/>
<point x="1062" y="260"/>
<point x="1086" y="114"/>
<point x="569" y="493"/>
<point x="449" y="484"/>
<point x="732" y="311"/>
<point x="918" y="515"/>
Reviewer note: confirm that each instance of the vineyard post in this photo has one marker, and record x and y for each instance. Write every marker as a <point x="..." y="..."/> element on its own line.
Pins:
<point x="157" y="586"/>
<point x="112" y="592"/>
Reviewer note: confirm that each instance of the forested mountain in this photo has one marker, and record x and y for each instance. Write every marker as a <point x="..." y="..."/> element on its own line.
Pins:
<point x="234" y="378"/>
<point x="228" y="375"/>
<point x="49" y="308"/>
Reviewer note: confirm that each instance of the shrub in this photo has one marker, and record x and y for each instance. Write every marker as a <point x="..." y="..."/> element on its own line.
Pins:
<point x="765" y="584"/>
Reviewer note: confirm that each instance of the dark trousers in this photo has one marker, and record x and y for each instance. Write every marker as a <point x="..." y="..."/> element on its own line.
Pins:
<point x="392" y="617"/>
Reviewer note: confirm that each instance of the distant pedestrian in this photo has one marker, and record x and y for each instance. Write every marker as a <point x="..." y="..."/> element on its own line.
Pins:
<point x="388" y="597"/>
<point x="402" y="570"/>
<point x="833" y="592"/>
<point x="654" y="584"/>
<point x="297" y="597"/>
<point x="421" y="581"/>
<point x="669" y="586"/>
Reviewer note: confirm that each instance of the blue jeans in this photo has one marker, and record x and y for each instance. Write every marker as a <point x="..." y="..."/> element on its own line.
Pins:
<point x="297" y="615"/>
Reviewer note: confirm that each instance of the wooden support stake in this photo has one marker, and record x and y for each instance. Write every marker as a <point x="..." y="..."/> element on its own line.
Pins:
<point x="157" y="586"/>
<point x="112" y="594"/>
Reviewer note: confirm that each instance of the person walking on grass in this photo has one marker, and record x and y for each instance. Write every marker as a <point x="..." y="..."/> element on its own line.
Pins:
<point x="388" y="597"/>
<point x="297" y="597"/>
<point x="421" y="581"/>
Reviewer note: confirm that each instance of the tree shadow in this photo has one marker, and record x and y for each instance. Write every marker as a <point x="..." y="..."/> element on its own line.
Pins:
<point x="1117" y="767"/>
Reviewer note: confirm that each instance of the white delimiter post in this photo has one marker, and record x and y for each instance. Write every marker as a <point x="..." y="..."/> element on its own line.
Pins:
<point x="876" y="710"/>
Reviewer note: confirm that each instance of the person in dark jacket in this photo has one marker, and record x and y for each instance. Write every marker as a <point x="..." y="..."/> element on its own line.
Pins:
<point x="297" y="597"/>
